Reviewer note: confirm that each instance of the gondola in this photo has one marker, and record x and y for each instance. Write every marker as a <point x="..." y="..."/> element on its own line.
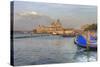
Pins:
<point x="81" y="41"/>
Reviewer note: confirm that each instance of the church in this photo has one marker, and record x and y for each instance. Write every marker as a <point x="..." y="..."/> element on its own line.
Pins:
<point x="54" y="28"/>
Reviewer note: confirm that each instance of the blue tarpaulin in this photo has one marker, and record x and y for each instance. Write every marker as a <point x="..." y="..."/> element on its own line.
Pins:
<point x="82" y="41"/>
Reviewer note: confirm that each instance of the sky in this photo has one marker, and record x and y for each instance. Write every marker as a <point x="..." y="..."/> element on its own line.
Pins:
<point x="69" y="15"/>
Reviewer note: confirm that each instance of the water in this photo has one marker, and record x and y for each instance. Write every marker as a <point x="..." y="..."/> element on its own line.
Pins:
<point x="47" y="49"/>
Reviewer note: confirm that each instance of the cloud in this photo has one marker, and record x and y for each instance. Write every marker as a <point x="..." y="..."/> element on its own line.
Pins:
<point x="31" y="14"/>
<point x="28" y="13"/>
<point x="30" y="20"/>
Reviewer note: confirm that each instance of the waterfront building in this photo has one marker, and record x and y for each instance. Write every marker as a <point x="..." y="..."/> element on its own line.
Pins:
<point x="55" y="28"/>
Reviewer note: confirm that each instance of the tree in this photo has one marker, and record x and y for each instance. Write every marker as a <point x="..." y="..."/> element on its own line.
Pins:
<point x="92" y="27"/>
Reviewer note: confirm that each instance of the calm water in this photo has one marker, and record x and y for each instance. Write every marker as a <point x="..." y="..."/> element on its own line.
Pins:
<point x="47" y="49"/>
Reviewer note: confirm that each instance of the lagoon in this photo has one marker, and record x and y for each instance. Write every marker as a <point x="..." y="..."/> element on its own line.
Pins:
<point x="47" y="49"/>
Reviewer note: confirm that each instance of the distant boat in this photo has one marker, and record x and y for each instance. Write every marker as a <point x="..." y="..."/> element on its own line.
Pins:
<point x="54" y="33"/>
<point x="81" y="41"/>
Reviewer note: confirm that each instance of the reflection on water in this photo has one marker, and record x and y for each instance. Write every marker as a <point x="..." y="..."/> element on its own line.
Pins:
<point x="48" y="49"/>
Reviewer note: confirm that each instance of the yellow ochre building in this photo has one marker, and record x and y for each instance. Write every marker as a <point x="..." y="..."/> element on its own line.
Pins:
<point x="54" y="28"/>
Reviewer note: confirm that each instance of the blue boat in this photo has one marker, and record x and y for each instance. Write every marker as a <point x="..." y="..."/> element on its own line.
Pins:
<point x="81" y="41"/>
